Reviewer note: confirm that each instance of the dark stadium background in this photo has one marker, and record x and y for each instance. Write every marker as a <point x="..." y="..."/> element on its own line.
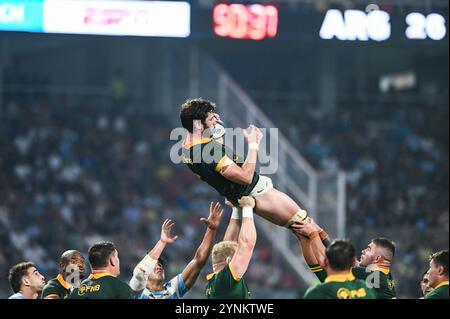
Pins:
<point x="85" y="123"/>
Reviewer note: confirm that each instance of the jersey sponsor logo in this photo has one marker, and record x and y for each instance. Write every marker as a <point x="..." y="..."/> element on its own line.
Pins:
<point x="259" y="191"/>
<point x="345" y="293"/>
<point x="84" y="289"/>
<point x="391" y="284"/>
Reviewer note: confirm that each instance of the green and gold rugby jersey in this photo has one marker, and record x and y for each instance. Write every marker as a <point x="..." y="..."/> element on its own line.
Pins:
<point x="56" y="288"/>
<point x="101" y="286"/>
<point x="206" y="158"/>
<point x="341" y="287"/>
<point x="380" y="280"/>
<point x="225" y="284"/>
<point x="440" y="292"/>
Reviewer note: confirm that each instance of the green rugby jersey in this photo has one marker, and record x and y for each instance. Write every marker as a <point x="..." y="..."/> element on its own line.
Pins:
<point x="206" y="158"/>
<point x="386" y="289"/>
<point x="440" y="292"/>
<point x="341" y="287"/>
<point x="225" y="284"/>
<point x="101" y="286"/>
<point x="56" y="288"/>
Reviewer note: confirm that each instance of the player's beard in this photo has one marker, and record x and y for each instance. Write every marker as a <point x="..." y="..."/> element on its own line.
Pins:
<point x="207" y="132"/>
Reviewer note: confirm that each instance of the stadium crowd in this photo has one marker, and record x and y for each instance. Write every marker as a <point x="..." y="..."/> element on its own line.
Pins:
<point x="396" y="158"/>
<point x="70" y="177"/>
<point x="73" y="176"/>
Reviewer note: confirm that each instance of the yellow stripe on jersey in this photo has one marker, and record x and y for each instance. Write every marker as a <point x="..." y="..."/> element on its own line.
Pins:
<point x="340" y="278"/>
<point x="202" y="141"/>
<point x="224" y="161"/>
<point x="52" y="296"/>
<point x="99" y="275"/>
<point x="63" y="283"/>
<point x="382" y="269"/>
<point x="317" y="270"/>
<point x="210" y="276"/>
<point x="233" y="272"/>
<point x="314" y="267"/>
<point x="444" y="283"/>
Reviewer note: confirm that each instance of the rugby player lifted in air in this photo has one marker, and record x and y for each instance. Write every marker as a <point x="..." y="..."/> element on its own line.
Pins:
<point x="218" y="165"/>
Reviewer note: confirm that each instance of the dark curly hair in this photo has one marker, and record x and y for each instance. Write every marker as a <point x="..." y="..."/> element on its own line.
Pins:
<point x="195" y="109"/>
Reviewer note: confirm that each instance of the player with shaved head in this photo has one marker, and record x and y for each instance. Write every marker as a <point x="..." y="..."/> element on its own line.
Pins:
<point x="72" y="270"/>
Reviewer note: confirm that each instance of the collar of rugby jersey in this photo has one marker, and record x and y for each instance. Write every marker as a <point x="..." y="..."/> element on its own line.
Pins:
<point x="202" y="141"/>
<point x="444" y="283"/>
<point x="100" y="275"/>
<point x="340" y="278"/>
<point x="63" y="283"/>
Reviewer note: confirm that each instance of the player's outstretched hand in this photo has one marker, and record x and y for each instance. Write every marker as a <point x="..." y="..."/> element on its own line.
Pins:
<point x="215" y="214"/>
<point x="255" y="135"/>
<point x="166" y="238"/>
<point x="247" y="201"/>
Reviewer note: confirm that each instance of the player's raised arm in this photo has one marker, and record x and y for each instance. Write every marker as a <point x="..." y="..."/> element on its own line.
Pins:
<point x="247" y="238"/>
<point x="192" y="270"/>
<point x="244" y="175"/>
<point x="310" y="230"/>
<point x="146" y="266"/>
<point x="234" y="226"/>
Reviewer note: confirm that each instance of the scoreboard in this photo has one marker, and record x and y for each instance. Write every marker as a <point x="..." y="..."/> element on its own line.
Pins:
<point x="256" y="22"/>
<point x="251" y="21"/>
<point x="239" y="21"/>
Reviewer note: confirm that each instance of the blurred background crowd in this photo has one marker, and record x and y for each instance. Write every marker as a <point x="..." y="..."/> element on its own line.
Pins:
<point x="74" y="171"/>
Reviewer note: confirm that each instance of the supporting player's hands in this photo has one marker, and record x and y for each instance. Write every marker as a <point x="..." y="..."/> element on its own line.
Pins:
<point x="166" y="238"/>
<point x="305" y="228"/>
<point x="318" y="228"/>
<point x="215" y="214"/>
<point x="255" y="135"/>
<point x="247" y="201"/>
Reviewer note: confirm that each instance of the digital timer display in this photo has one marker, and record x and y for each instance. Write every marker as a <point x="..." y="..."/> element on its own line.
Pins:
<point x="239" y="21"/>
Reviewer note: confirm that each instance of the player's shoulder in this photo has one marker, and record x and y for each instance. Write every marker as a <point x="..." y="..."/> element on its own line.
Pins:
<point x="315" y="291"/>
<point x="53" y="286"/>
<point x="218" y="276"/>
<point x="360" y="272"/>
<point x="125" y="289"/>
<point x="52" y="283"/>
<point x="439" y="293"/>
<point x="176" y="280"/>
<point x="117" y="281"/>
